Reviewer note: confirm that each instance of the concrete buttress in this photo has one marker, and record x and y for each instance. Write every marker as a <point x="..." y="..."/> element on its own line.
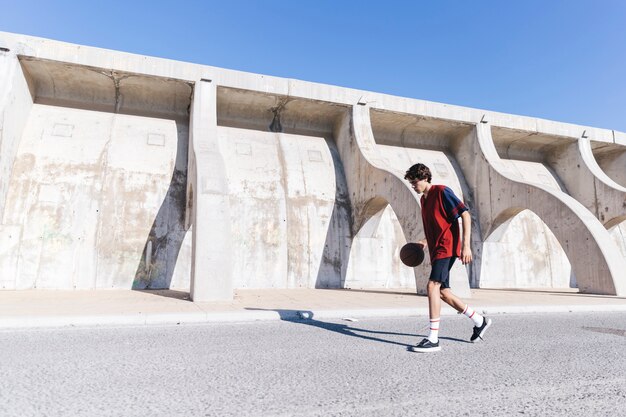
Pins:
<point x="501" y="193"/>
<point x="208" y="202"/>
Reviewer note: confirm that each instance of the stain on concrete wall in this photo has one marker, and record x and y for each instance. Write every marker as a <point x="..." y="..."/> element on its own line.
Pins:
<point x="337" y="245"/>
<point x="166" y="258"/>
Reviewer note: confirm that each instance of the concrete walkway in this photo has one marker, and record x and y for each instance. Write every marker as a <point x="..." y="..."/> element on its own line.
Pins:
<point x="49" y="308"/>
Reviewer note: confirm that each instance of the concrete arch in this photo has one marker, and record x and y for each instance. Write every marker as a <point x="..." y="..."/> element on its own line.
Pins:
<point x="499" y="188"/>
<point x="370" y="178"/>
<point x="371" y="209"/>
<point x="534" y="257"/>
<point x="504" y="217"/>
<point x="375" y="248"/>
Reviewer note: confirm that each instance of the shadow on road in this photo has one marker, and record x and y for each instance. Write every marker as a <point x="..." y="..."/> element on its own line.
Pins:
<point x="306" y="317"/>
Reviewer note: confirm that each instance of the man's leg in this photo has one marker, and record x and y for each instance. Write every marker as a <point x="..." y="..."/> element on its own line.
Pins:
<point x="438" y="276"/>
<point x="455" y="302"/>
<point x="431" y="344"/>
<point x="452" y="300"/>
<point x="434" y="309"/>
<point x="480" y="323"/>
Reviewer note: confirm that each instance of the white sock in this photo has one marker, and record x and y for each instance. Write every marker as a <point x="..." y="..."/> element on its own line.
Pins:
<point x="434" y="331"/>
<point x="476" y="318"/>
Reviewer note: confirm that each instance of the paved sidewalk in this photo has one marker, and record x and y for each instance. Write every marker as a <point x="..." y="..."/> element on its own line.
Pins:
<point x="52" y="308"/>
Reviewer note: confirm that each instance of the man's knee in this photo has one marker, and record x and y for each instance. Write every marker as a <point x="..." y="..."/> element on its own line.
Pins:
<point x="445" y="294"/>
<point x="433" y="286"/>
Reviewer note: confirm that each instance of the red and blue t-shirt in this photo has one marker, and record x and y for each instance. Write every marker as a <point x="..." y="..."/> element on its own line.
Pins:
<point x="440" y="211"/>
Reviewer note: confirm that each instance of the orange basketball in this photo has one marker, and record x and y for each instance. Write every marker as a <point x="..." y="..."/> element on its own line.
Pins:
<point x="412" y="254"/>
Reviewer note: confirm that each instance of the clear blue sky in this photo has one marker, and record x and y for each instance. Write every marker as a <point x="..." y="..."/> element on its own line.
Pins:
<point x="556" y="59"/>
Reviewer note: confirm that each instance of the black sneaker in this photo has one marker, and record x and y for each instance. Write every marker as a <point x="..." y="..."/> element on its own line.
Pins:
<point x="426" y="346"/>
<point x="480" y="331"/>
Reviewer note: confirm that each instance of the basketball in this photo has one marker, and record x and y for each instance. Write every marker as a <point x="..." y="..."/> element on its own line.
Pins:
<point x="412" y="254"/>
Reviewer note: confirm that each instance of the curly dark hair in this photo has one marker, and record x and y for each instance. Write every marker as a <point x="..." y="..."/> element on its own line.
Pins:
<point x="418" y="172"/>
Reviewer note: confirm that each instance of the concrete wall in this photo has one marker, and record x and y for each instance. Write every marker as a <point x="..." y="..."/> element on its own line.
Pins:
<point x="15" y="105"/>
<point x="124" y="171"/>
<point x="94" y="178"/>
<point x="503" y="191"/>
<point x="89" y="194"/>
<point x="282" y="195"/>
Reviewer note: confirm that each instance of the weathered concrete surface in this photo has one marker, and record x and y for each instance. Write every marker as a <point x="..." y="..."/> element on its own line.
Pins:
<point x="125" y="171"/>
<point x="282" y="194"/>
<point x="82" y="199"/>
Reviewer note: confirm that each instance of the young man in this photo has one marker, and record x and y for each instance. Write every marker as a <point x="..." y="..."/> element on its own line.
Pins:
<point x="440" y="212"/>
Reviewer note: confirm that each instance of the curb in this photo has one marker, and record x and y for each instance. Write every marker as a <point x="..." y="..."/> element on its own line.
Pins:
<point x="74" y="321"/>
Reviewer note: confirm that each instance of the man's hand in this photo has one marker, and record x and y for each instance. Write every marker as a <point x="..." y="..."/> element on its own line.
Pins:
<point x="466" y="254"/>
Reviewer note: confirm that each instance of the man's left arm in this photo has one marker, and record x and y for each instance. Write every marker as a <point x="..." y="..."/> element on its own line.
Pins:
<point x="454" y="209"/>
<point x="466" y="251"/>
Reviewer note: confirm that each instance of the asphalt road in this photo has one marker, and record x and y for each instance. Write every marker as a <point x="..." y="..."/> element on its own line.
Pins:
<point x="532" y="365"/>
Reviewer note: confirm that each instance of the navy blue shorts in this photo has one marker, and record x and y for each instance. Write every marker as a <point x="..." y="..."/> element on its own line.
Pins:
<point x="441" y="271"/>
